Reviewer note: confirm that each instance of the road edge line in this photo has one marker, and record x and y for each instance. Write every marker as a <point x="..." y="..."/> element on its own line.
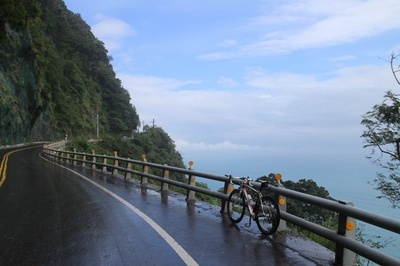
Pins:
<point x="182" y="253"/>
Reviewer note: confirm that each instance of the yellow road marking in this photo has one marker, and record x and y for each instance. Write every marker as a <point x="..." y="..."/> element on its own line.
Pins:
<point x="3" y="165"/>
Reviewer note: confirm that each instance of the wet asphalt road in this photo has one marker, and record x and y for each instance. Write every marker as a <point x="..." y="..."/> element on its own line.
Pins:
<point x="51" y="216"/>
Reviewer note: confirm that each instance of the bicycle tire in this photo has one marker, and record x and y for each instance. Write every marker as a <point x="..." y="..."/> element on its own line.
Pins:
<point x="236" y="206"/>
<point x="268" y="221"/>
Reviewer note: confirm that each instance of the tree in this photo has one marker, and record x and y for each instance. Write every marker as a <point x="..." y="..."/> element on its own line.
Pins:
<point x="382" y="134"/>
<point x="305" y="210"/>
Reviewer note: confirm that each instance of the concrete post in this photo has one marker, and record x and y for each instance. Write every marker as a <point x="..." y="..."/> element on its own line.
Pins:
<point x="67" y="160"/>
<point x="128" y="167"/>
<point x="228" y="188"/>
<point x="191" y="195"/>
<point x="164" y="185"/>
<point x="346" y="227"/>
<point x="104" y="166"/>
<point x="61" y="155"/>
<point x="145" y="170"/>
<point x="281" y="203"/>
<point x="75" y="156"/>
<point x="115" y="170"/>
<point x="84" y="161"/>
<point x="94" y="161"/>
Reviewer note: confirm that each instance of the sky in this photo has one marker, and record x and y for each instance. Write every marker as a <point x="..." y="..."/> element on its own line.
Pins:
<point x="252" y="88"/>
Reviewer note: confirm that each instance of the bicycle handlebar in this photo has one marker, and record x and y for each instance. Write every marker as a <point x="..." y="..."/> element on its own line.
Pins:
<point x="247" y="181"/>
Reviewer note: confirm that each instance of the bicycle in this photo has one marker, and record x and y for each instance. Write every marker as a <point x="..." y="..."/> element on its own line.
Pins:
<point x="263" y="209"/>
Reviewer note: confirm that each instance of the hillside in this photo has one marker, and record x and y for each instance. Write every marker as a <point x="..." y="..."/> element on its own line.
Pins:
<point x="56" y="76"/>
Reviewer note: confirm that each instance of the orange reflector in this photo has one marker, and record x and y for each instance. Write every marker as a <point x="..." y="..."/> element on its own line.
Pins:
<point x="230" y="188"/>
<point x="278" y="176"/>
<point x="350" y="226"/>
<point x="282" y="201"/>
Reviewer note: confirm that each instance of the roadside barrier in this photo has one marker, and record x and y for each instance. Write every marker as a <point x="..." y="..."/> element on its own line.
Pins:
<point x="345" y="238"/>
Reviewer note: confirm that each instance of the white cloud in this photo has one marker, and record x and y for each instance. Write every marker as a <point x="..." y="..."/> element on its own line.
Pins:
<point x="314" y="24"/>
<point x="154" y="85"/>
<point x="112" y="31"/>
<point x="343" y="58"/>
<point x="224" y="146"/>
<point x="226" y="81"/>
<point x="228" y="43"/>
<point x="272" y="112"/>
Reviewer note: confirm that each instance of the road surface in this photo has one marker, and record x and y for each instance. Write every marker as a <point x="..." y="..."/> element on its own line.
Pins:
<point x="51" y="215"/>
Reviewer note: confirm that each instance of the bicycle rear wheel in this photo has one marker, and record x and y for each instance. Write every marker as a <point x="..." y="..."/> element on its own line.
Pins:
<point x="236" y="206"/>
<point x="268" y="215"/>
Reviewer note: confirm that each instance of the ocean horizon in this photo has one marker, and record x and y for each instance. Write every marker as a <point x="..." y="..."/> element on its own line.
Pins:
<point x="344" y="179"/>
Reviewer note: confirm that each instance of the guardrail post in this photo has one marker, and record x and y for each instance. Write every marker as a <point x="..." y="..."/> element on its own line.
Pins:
<point x="104" y="165"/>
<point x="228" y="188"/>
<point x="94" y="161"/>
<point x="115" y="170"/>
<point x="63" y="155"/>
<point x="191" y="195"/>
<point x="145" y="170"/>
<point x="67" y="160"/>
<point x="75" y="156"/>
<point x="128" y="167"/>
<point x="346" y="227"/>
<point x="281" y="203"/>
<point x="84" y="161"/>
<point x="164" y="185"/>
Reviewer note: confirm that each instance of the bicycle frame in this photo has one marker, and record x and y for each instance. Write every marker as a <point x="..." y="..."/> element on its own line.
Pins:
<point x="243" y="188"/>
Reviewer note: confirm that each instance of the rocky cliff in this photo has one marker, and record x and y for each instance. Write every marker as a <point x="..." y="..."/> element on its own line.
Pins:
<point x="56" y="76"/>
<point x="20" y="100"/>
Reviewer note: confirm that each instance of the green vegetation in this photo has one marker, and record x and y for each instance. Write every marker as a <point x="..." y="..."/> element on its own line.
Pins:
<point x="56" y="76"/>
<point x="16" y="14"/>
<point x="153" y="142"/>
<point x="307" y="211"/>
<point x="373" y="241"/>
<point x="382" y="134"/>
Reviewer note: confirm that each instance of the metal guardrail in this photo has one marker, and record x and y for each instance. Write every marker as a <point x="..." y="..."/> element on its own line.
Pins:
<point x="346" y="244"/>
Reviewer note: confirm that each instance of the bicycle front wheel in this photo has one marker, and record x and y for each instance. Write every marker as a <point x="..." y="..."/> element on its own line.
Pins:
<point x="236" y="206"/>
<point x="268" y="216"/>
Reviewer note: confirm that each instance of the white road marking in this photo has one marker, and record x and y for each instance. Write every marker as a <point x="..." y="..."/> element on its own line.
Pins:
<point x="172" y="242"/>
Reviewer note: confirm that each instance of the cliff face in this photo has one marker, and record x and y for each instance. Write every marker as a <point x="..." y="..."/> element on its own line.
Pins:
<point x="56" y="76"/>
<point x="20" y="101"/>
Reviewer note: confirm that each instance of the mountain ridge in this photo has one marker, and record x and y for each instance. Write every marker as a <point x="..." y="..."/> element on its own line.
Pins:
<point x="56" y="77"/>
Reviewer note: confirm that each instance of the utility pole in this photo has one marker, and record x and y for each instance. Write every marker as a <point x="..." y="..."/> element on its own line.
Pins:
<point x="97" y="125"/>
<point x="153" y="122"/>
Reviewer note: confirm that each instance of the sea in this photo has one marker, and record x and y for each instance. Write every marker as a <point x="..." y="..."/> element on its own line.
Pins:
<point x="346" y="178"/>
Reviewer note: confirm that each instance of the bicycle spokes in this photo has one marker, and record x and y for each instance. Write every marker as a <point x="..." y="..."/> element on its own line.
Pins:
<point x="268" y="217"/>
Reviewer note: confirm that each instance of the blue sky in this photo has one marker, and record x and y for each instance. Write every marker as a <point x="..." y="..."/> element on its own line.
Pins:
<point x="250" y="88"/>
